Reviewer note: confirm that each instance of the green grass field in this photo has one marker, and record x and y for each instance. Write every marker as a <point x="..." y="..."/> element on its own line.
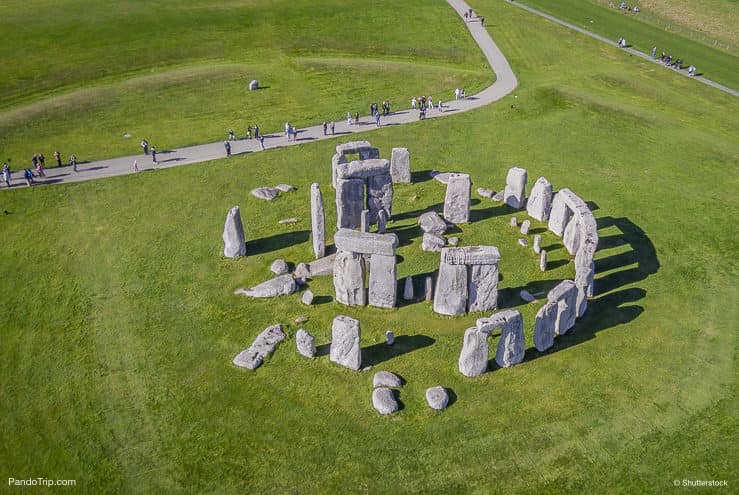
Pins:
<point x="121" y="322"/>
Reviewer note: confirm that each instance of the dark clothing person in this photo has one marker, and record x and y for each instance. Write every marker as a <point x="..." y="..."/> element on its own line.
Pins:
<point x="227" y="145"/>
<point x="145" y="145"/>
<point x="58" y="157"/>
<point x="153" y="154"/>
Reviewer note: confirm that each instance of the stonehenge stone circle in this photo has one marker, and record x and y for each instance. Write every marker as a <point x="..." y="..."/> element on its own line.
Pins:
<point x="305" y="343"/>
<point x="431" y="223"/>
<point x="514" y="194"/>
<point x="437" y="398"/>
<point x="264" y="345"/>
<point x="385" y="379"/>
<point x="234" y="240"/>
<point x="278" y="286"/>
<point x="539" y="204"/>
<point x="468" y="280"/>
<point x="351" y="180"/>
<point x="345" y="337"/>
<point x="473" y="360"/>
<point x="457" y="200"/>
<point x="383" y="400"/>
<point x="400" y="165"/>
<point x="318" y="221"/>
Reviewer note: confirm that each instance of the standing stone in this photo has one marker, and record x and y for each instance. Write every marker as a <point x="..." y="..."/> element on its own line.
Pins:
<point x="386" y="379"/>
<point x="349" y="203"/>
<point x="234" y="240"/>
<point x="560" y="214"/>
<point x="511" y="345"/>
<point x="543" y="260"/>
<point x="345" y="337"/>
<point x="431" y="223"/>
<point x="525" y="226"/>
<point x="384" y="401"/>
<point x="307" y="297"/>
<point x="318" y="221"/>
<point x="483" y="288"/>
<point x="473" y="360"/>
<point x="408" y="289"/>
<point x="437" y="398"/>
<point x="253" y="85"/>
<point x="539" y="204"/>
<point x="544" y="326"/>
<point x="513" y="222"/>
<point x="381" y="222"/>
<point x="451" y="290"/>
<point x="571" y="236"/>
<point x="457" y="201"/>
<point x="537" y="243"/>
<point x="383" y="284"/>
<point x="349" y="279"/>
<point x="432" y="243"/>
<point x="583" y="280"/>
<point x="515" y="188"/>
<point x="379" y="196"/>
<point x="306" y="343"/>
<point x="429" y="288"/>
<point x="565" y="296"/>
<point x="278" y="267"/>
<point x="364" y="223"/>
<point x="389" y="337"/>
<point x="400" y="165"/>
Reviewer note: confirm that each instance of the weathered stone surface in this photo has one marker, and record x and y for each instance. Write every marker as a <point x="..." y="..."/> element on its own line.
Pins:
<point x="364" y="222"/>
<point x="400" y="165"/>
<point x="437" y="398"/>
<point x="266" y="193"/>
<point x="234" y="240"/>
<point x="349" y="202"/>
<point x="384" y="401"/>
<point x="583" y="280"/>
<point x="318" y="221"/>
<point x="560" y="214"/>
<point x="307" y="297"/>
<point x="453" y="241"/>
<point x="433" y="243"/>
<point x="369" y="154"/>
<point x="263" y="346"/>
<point x="511" y="345"/>
<point x="300" y="320"/>
<point x="473" y="360"/>
<point x="285" y="187"/>
<point x="381" y="222"/>
<point x="349" y="279"/>
<point x="379" y="196"/>
<point x="363" y="169"/>
<point x="253" y="85"/>
<point x="513" y="222"/>
<point x="457" y="200"/>
<point x="366" y="242"/>
<point x="286" y="221"/>
<point x="352" y="147"/>
<point x="525" y="226"/>
<point x="408" y="289"/>
<point x="278" y="267"/>
<point x="345" y="339"/>
<point x="336" y="160"/>
<point x="515" y="188"/>
<point x="451" y="290"/>
<point x="321" y="266"/>
<point x="571" y="237"/>
<point x="429" y="288"/>
<point x="546" y="318"/>
<point x="539" y="204"/>
<point x="537" y="243"/>
<point x="442" y="177"/>
<point x="389" y="337"/>
<point x="278" y="286"/>
<point x="523" y="242"/>
<point x="483" y="288"/>
<point x="485" y="193"/>
<point x="565" y="296"/>
<point x="431" y="223"/>
<point x="471" y="255"/>
<point x="543" y="260"/>
<point x="526" y="296"/>
<point x="386" y="379"/>
<point x="499" y="196"/>
<point x="306" y="343"/>
<point x="383" y="285"/>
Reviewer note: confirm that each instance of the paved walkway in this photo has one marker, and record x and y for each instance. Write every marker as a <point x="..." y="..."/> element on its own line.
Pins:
<point x="505" y="83"/>
<point x="632" y="51"/>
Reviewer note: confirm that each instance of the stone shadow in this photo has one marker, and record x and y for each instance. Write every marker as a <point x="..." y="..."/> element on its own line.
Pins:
<point x="490" y="212"/>
<point x="379" y="353"/>
<point x="275" y="242"/>
<point x="509" y="297"/>
<point x="419" y="288"/>
<point x="420" y="176"/>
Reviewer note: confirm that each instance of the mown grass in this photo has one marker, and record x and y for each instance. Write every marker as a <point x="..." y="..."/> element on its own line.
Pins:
<point x="122" y="323"/>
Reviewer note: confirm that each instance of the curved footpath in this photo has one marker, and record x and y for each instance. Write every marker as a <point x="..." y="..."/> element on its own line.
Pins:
<point x="505" y="83"/>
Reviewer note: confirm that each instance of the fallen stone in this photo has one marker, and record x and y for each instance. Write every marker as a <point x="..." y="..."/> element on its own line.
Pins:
<point x="437" y="398"/>
<point x="278" y="286"/>
<point x="433" y="243"/>
<point x="266" y="193"/>
<point x="254" y="84"/>
<point x="473" y="360"/>
<point x="431" y="223"/>
<point x="537" y="243"/>
<point x="285" y="187"/>
<point x="498" y="196"/>
<point x="386" y="379"/>
<point x="345" y="337"/>
<point x="525" y="226"/>
<point x="389" y="337"/>
<point x="384" y="401"/>
<point x="485" y="193"/>
<point x="279" y="267"/>
<point x="306" y="343"/>
<point x="263" y="346"/>
<point x="408" y="289"/>
<point x="317" y="268"/>
<point x="526" y="296"/>
<point x="307" y="298"/>
<point x="234" y="240"/>
<point x="523" y="242"/>
<point x="400" y="165"/>
<point x="288" y="221"/>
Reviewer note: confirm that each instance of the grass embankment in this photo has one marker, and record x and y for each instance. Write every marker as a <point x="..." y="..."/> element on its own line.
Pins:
<point x="122" y="324"/>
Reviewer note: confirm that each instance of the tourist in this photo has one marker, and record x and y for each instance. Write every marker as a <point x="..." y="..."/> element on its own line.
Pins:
<point x="248" y="132"/>
<point x="654" y="52"/>
<point x="636" y="10"/>
<point x="6" y="174"/>
<point x="413" y="103"/>
<point x="256" y="131"/>
<point x="227" y="145"/>
<point x="39" y="168"/>
<point x="356" y="118"/>
<point x="466" y="17"/>
<point x="135" y="165"/>
<point x="145" y="145"/>
<point x="441" y="107"/>
<point x="456" y="94"/>
<point x="348" y="118"/>
<point x="431" y="103"/>
<point x="461" y="94"/>
<point x="153" y="154"/>
<point x="73" y="162"/>
<point x="377" y="119"/>
<point x="34" y="160"/>
<point x="691" y="70"/>
<point x="58" y="157"/>
<point x="28" y="174"/>
<point x="42" y="160"/>
<point x="231" y="135"/>
<point x="261" y="142"/>
<point x="287" y="130"/>
<point x="333" y="127"/>
<point x="325" y="128"/>
<point x="482" y="21"/>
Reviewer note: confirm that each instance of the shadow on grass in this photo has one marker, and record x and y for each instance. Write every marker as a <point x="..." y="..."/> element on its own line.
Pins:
<point x="379" y="353"/>
<point x="420" y="176"/>
<point x="275" y="242"/>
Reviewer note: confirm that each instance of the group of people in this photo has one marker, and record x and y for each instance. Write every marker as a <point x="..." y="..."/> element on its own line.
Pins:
<point x="424" y="104"/>
<point x="37" y="169"/>
<point x="374" y="109"/>
<point x="673" y="62"/>
<point x="627" y="8"/>
<point x="326" y="128"/>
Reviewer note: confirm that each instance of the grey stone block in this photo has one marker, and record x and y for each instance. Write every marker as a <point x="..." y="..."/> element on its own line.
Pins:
<point x="565" y="296"/>
<point x="278" y="286"/>
<point x="433" y="243"/>
<point x="429" y="288"/>
<point x="471" y="255"/>
<point x="546" y="319"/>
<point x="437" y="398"/>
<point x="543" y="260"/>
<point x="431" y="223"/>
<point x="485" y="193"/>
<point x="349" y="279"/>
<point x="451" y="290"/>
<point x="457" y="200"/>
<point x="349" y="202"/>
<point x="383" y="400"/>
<point x="305" y="343"/>
<point x="366" y="242"/>
<point x="511" y="345"/>
<point x="352" y="147"/>
<point x="560" y="214"/>
<point x="285" y="188"/>
<point x="515" y="188"/>
<point x="525" y="226"/>
<point x="266" y="193"/>
<point x="537" y="243"/>
<point x="473" y="360"/>
<point x="364" y="222"/>
<point x="234" y="239"/>
<point x="363" y="169"/>
<point x="539" y="204"/>
<point x="345" y="343"/>
<point x="307" y="297"/>
<point x="386" y="379"/>
<point x="263" y="346"/>
<point x="383" y="283"/>
<point x="400" y="165"/>
<point x="389" y="337"/>
<point x="408" y="289"/>
<point x="483" y="288"/>
<point x="278" y="267"/>
<point x="318" y="221"/>
<point x="379" y="196"/>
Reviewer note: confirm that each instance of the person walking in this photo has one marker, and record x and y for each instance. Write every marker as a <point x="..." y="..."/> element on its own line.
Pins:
<point x="325" y="128"/>
<point x="227" y="145"/>
<point x="58" y="157"/>
<point x="377" y="119"/>
<point x="348" y="118"/>
<point x="73" y="162"/>
<point x="261" y="142"/>
<point x="28" y="174"/>
<point x="135" y="165"/>
<point x="333" y="127"/>
<point x="40" y="168"/>
<point x="42" y="160"/>
<point x="248" y="132"/>
<point x="231" y="135"/>
<point x="145" y="146"/>
<point x="6" y="174"/>
<point x="413" y="103"/>
<point x="153" y="154"/>
<point x="654" y="52"/>
<point x="256" y="131"/>
<point x="441" y="107"/>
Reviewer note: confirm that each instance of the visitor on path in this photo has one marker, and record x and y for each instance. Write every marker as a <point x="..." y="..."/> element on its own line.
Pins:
<point x="227" y="145"/>
<point x="441" y="106"/>
<point x="654" y="52"/>
<point x="461" y="94"/>
<point x="42" y="160"/>
<point x="691" y="70"/>
<point x="6" y="174"/>
<point x="145" y="145"/>
<point x="261" y="142"/>
<point x="58" y="157"/>
<point x="377" y="119"/>
<point x="325" y="128"/>
<point x="231" y="135"/>
<point x="333" y="127"/>
<point x="287" y="130"/>
<point x="466" y="17"/>
<point x="356" y="118"/>
<point x="34" y="160"/>
<point x="73" y="162"/>
<point x="413" y="103"/>
<point x="248" y="132"/>
<point x="28" y="174"/>
<point x="153" y="154"/>
<point x="482" y="21"/>
<point x="431" y="102"/>
<point x="135" y="166"/>
<point x="256" y="131"/>
<point x="348" y="118"/>
<point x="40" y="169"/>
<point x="456" y="93"/>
